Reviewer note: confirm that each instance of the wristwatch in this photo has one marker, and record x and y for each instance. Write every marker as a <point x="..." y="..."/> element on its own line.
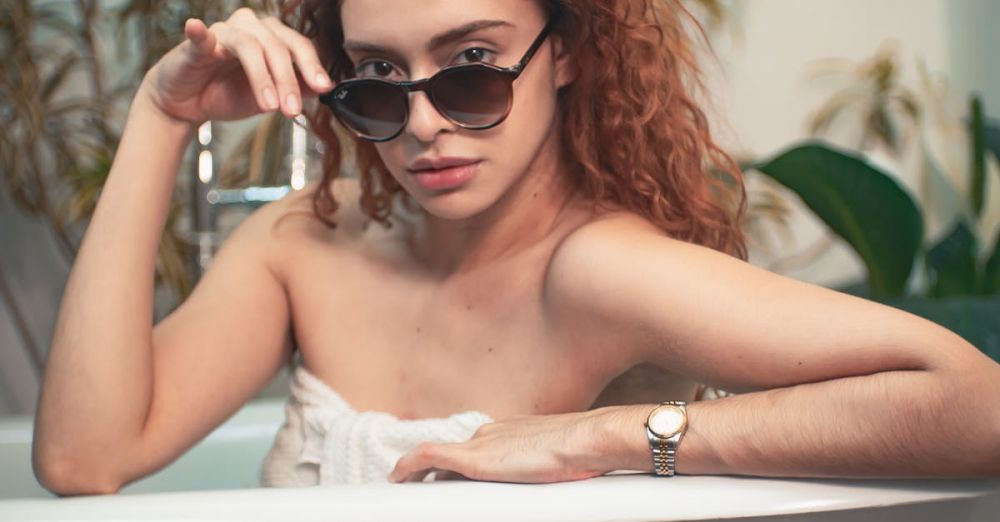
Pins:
<point x="665" y="426"/>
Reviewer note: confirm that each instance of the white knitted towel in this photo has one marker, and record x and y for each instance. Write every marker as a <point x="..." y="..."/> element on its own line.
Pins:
<point x="324" y="441"/>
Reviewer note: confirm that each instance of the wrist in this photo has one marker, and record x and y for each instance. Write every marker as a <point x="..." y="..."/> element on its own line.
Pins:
<point x="621" y="443"/>
<point x="147" y="102"/>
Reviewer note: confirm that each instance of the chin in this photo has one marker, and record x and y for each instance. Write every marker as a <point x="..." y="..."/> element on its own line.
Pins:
<point x="455" y="205"/>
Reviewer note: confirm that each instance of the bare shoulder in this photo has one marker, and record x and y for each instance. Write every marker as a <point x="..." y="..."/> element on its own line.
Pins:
<point x="295" y="213"/>
<point x="621" y="273"/>
<point x="581" y="278"/>
<point x="727" y="323"/>
<point x="278" y="230"/>
<point x="595" y="248"/>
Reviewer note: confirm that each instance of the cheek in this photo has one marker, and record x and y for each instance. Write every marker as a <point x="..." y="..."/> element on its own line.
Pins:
<point x="531" y="115"/>
<point x="393" y="154"/>
<point x="535" y="94"/>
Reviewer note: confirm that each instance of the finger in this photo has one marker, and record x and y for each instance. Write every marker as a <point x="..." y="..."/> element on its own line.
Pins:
<point x="401" y="472"/>
<point x="419" y="458"/>
<point x="449" y="475"/>
<point x="304" y="53"/>
<point x="196" y="31"/>
<point x="278" y="57"/>
<point x="428" y="456"/>
<point x="202" y="40"/>
<point x="251" y="56"/>
<point x="418" y="476"/>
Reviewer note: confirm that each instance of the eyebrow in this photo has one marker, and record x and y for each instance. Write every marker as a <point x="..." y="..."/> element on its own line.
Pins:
<point x="436" y="42"/>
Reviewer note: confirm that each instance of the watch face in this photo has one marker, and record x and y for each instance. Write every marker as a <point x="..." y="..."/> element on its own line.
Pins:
<point x="666" y="420"/>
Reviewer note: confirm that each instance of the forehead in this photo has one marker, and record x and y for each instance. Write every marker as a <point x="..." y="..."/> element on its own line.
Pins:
<point x="406" y="23"/>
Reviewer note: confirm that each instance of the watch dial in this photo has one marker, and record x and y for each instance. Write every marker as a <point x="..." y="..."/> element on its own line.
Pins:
<point x="666" y="420"/>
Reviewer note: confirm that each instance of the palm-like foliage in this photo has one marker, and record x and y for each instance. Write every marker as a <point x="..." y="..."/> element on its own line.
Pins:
<point x="873" y="104"/>
<point x="63" y="101"/>
<point x="716" y="15"/>
<point x="902" y="121"/>
<point x="62" y="106"/>
<point x="887" y="112"/>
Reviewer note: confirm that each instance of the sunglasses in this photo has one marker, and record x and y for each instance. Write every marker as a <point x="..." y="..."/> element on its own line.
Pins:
<point x="474" y="96"/>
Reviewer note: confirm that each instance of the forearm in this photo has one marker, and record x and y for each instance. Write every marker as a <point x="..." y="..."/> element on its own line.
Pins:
<point x="896" y="424"/>
<point x="98" y="377"/>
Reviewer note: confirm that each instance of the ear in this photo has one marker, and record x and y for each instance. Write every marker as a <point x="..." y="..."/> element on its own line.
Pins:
<point x="564" y="63"/>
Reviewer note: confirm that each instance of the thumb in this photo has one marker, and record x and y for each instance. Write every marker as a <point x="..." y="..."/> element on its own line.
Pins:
<point x="202" y="39"/>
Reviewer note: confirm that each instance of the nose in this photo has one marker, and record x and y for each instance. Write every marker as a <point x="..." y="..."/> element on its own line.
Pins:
<point x="425" y="122"/>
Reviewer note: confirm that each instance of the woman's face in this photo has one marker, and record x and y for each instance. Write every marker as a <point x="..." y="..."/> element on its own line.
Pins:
<point x="403" y="29"/>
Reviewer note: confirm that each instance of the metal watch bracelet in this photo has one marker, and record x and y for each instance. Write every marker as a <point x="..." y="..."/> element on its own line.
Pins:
<point x="664" y="449"/>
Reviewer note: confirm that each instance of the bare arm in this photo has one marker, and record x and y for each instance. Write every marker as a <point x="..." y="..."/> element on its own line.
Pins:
<point x="98" y="378"/>
<point x="119" y="398"/>
<point x="832" y="385"/>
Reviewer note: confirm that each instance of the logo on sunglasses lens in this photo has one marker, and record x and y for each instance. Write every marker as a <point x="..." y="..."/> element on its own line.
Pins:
<point x="342" y="94"/>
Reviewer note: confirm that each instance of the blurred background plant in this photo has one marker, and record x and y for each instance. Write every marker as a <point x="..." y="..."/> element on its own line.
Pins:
<point x="69" y="71"/>
<point x="719" y="17"/>
<point x="945" y="224"/>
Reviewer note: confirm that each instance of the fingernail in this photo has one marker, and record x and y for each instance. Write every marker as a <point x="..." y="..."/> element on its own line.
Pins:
<point x="322" y="79"/>
<point x="293" y="103"/>
<point x="270" y="99"/>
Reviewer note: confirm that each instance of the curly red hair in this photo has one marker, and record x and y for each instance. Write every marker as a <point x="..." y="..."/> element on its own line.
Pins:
<point x="629" y="121"/>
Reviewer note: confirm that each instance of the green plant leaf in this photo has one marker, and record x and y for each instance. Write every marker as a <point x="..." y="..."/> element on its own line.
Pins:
<point x="861" y="204"/>
<point x="991" y="137"/>
<point x="977" y="132"/>
<point x="952" y="263"/>
<point x="991" y="272"/>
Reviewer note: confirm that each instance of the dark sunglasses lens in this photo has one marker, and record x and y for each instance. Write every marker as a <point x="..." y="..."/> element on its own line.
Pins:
<point x="373" y="109"/>
<point x="473" y="96"/>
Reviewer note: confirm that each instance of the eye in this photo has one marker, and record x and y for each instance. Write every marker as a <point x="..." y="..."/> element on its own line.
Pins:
<point x="377" y="68"/>
<point x="476" y="54"/>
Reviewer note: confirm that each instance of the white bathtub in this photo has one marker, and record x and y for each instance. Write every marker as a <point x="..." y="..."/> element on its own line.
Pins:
<point x="217" y="480"/>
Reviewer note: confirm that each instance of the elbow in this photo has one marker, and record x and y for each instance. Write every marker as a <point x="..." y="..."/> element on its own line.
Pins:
<point x="995" y="468"/>
<point x="973" y="407"/>
<point x="991" y="464"/>
<point x="65" y="477"/>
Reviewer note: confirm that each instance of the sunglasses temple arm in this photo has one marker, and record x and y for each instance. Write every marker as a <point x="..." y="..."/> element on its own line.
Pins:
<point x="536" y="44"/>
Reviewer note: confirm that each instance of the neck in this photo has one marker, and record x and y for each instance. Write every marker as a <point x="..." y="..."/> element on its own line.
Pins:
<point x="523" y="217"/>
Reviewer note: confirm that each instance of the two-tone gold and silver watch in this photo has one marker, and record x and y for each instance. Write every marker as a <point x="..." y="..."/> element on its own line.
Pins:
<point x="665" y="426"/>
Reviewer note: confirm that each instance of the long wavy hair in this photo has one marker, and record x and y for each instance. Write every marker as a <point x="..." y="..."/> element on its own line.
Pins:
<point x="630" y="124"/>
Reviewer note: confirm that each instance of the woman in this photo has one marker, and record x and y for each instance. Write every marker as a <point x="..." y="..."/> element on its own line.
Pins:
<point x="540" y="246"/>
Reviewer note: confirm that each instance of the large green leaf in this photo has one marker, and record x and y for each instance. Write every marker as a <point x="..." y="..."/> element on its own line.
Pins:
<point x="952" y="263"/>
<point x="977" y="132"/>
<point x="863" y="205"/>
<point x="991" y="136"/>
<point x="991" y="273"/>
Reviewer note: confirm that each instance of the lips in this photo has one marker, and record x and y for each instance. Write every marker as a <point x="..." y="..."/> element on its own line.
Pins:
<point x="446" y="178"/>
<point x="430" y="165"/>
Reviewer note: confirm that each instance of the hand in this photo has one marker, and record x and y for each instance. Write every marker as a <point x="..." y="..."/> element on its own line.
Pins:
<point x="526" y="449"/>
<point x="235" y="69"/>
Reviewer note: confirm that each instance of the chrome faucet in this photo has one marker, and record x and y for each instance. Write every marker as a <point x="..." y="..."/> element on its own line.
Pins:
<point x="206" y="198"/>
